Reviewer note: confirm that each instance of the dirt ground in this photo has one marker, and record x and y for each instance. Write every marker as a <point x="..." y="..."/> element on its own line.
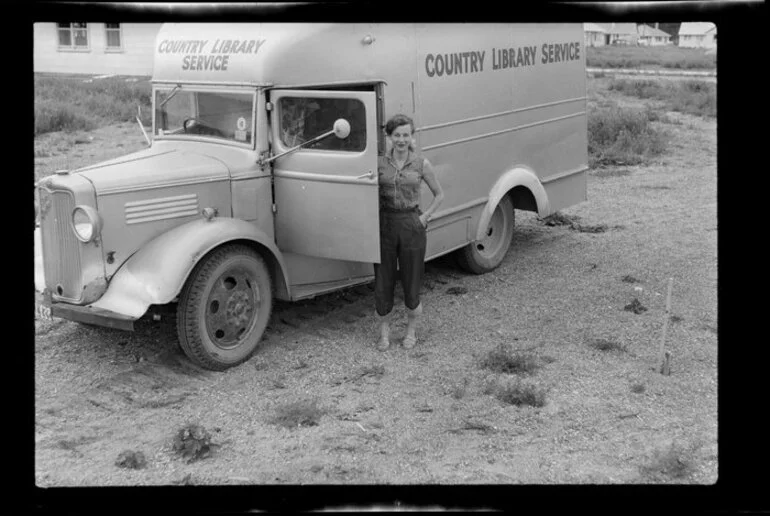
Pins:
<point x="426" y="416"/>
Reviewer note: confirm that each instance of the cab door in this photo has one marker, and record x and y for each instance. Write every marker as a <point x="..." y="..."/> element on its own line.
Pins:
<point x="326" y="194"/>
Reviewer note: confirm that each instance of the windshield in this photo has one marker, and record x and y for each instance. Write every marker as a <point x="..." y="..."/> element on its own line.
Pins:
<point x="181" y="111"/>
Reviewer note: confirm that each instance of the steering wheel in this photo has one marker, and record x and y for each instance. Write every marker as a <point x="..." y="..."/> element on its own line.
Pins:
<point x="190" y="122"/>
<point x="198" y="127"/>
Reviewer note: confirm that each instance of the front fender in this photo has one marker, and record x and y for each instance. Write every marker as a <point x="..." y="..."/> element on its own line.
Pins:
<point x="155" y="274"/>
<point x="517" y="176"/>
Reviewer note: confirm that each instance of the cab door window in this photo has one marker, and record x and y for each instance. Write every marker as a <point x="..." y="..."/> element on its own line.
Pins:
<point x="304" y="118"/>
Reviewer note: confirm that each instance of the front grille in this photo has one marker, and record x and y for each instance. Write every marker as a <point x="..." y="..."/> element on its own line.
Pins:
<point x="61" y="249"/>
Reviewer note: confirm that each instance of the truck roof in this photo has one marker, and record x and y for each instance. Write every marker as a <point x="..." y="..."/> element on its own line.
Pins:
<point x="264" y="54"/>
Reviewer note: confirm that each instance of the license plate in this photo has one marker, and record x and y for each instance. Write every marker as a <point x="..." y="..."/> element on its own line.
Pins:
<point x="44" y="312"/>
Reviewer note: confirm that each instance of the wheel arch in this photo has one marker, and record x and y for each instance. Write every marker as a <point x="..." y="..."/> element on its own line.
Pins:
<point x="524" y="188"/>
<point x="156" y="273"/>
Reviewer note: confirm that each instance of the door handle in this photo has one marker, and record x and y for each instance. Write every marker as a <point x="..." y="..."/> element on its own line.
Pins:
<point x="369" y="175"/>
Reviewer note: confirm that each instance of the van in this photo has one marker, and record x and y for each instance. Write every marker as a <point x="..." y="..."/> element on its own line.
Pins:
<point x="260" y="178"/>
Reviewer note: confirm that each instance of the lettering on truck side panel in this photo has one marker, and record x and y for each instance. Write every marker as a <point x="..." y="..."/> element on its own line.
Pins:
<point x="438" y="64"/>
<point x="195" y="56"/>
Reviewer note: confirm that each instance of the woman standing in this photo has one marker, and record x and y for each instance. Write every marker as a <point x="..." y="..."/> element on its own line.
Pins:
<point x="402" y="227"/>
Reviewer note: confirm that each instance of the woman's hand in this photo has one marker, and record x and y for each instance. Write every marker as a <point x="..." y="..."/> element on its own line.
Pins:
<point x="424" y="220"/>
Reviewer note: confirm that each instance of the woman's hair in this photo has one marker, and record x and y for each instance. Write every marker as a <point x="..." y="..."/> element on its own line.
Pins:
<point x="398" y="121"/>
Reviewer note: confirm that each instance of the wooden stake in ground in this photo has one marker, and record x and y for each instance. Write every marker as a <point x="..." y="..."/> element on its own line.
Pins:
<point x="664" y="358"/>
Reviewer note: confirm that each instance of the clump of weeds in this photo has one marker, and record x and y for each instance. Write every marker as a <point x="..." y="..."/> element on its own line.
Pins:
<point x="298" y="414"/>
<point x="674" y="461"/>
<point x="635" y="306"/>
<point x="638" y="387"/>
<point x="458" y="390"/>
<point x="131" y="459"/>
<point x="559" y="219"/>
<point x="504" y="359"/>
<point x="193" y="442"/>
<point x="517" y="393"/>
<point x="607" y="345"/>
<point x="619" y="136"/>
<point x="676" y="318"/>
<point x="279" y="382"/>
<point x="629" y="279"/>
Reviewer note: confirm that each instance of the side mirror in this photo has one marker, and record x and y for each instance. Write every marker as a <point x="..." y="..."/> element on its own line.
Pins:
<point x="341" y="128"/>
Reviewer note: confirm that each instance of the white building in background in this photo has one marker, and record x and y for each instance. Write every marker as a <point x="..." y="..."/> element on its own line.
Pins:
<point x="698" y="35"/>
<point x="651" y="36"/>
<point x="595" y="35"/>
<point x="94" y="48"/>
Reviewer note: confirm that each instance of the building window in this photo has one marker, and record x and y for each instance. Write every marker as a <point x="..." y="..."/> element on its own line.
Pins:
<point x="73" y="36"/>
<point x="114" y="37"/>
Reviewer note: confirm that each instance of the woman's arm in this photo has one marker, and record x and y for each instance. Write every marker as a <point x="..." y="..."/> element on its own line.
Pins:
<point x="435" y="187"/>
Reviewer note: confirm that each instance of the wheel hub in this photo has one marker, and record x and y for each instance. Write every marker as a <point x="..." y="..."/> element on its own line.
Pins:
<point x="494" y="235"/>
<point x="232" y="309"/>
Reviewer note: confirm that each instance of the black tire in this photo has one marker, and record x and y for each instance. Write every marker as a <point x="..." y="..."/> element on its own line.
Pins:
<point x="487" y="254"/>
<point x="224" y="307"/>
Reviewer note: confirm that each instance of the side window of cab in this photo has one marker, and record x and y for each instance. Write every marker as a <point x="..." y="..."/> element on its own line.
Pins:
<point x="304" y="118"/>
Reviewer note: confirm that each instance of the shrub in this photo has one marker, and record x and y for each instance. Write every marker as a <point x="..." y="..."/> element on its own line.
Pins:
<point x="619" y="136"/>
<point x="193" y="442"/>
<point x="504" y="359"/>
<point x="676" y="461"/>
<point x="298" y="414"/>
<point x="518" y="393"/>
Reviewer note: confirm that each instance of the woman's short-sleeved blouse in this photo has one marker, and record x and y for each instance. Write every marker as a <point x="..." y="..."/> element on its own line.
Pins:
<point x="400" y="189"/>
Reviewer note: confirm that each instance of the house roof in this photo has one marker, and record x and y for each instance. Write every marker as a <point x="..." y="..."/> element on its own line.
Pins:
<point x="625" y="29"/>
<point x="695" y="28"/>
<point x="593" y="27"/>
<point x="647" y="31"/>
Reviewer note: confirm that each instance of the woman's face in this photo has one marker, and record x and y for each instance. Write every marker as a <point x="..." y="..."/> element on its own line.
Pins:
<point x="401" y="137"/>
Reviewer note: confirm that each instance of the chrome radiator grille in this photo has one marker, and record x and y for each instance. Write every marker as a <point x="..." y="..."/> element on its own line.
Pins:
<point x="61" y="249"/>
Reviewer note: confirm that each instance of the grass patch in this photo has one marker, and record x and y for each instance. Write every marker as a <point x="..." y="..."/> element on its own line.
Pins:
<point x="504" y="359"/>
<point x="676" y="461"/>
<point x="629" y="279"/>
<point x="618" y="136"/>
<point x="298" y="414"/>
<point x="607" y="345"/>
<point x="693" y="97"/>
<point x="70" y="104"/>
<point x="670" y="56"/>
<point x="518" y="393"/>
<point x="638" y="388"/>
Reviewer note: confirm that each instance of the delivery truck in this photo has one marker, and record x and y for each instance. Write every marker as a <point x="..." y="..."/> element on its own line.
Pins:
<point x="260" y="179"/>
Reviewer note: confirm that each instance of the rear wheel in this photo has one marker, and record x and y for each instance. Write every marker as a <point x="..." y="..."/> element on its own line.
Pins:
<point x="486" y="254"/>
<point x="224" y="307"/>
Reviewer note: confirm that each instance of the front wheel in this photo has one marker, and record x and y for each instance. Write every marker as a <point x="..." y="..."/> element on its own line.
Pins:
<point x="224" y="307"/>
<point x="486" y="254"/>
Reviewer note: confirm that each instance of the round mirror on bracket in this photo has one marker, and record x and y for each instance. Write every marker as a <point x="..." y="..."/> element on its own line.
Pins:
<point x="341" y="128"/>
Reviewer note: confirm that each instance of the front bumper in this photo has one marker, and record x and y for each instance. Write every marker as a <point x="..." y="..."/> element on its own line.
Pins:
<point x="84" y="314"/>
<point x="90" y="315"/>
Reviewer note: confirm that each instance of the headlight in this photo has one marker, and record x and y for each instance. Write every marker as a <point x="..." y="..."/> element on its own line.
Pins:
<point x="86" y="223"/>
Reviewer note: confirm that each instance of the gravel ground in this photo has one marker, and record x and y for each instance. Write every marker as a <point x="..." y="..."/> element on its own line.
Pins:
<point x="426" y="416"/>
